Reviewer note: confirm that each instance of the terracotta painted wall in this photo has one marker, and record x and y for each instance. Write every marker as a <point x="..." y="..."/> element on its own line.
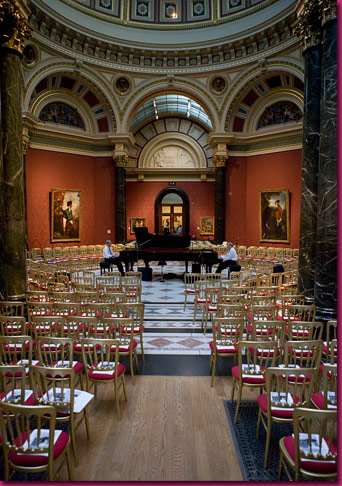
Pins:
<point x="94" y="176"/>
<point x="245" y="177"/>
<point x="141" y="197"/>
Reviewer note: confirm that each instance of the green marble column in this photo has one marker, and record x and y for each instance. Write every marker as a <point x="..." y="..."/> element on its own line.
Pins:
<point x="14" y="30"/>
<point x="13" y="224"/>
<point x="220" y="198"/>
<point x="309" y="30"/>
<point x="120" y="198"/>
<point x="326" y="244"/>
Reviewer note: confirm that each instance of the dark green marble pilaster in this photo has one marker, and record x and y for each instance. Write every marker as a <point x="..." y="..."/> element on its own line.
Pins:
<point x="120" y="200"/>
<point x="326" y="245"/>
<point x="220" y="204"/>
<point x="13" y="224"/>
<point x="310" y="157"/>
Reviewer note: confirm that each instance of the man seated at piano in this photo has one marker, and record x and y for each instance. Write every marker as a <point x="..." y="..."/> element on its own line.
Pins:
<point x="229" y="259"/>
<point x="111" y="257"/>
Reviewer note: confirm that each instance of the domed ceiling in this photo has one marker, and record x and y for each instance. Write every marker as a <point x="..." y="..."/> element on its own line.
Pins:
<point x="144" y="22"/>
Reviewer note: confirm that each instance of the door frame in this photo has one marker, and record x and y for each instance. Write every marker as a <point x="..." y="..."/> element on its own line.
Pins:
<point x="186" y="208"/>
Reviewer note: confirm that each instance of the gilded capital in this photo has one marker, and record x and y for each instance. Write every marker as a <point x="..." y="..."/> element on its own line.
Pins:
<point x="14" y="27"/>
<point x="329" y="10"/>
<point x="121" y="160"/>
<point x="309" y="24"/>
<point x="220" y="160"/>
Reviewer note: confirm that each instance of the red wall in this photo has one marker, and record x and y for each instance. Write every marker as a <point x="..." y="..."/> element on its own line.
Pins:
<point x="142" y="195"/>
<point x="94" y="176"/>
<point x="245" y="177"/>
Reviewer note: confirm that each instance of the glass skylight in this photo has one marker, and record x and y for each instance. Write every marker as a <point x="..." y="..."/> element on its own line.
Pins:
<point x="171" y="105"/>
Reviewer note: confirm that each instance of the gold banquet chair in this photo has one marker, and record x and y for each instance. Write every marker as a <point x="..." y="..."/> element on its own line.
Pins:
<point x="311" y="454"/>
<point x="27" y="446"/>
<point x="189" y="285"/>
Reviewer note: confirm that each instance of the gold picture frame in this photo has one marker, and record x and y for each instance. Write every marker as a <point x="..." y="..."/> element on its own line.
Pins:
<point x="207" y="225"/>
<point x="137" y="222"/>
<point x="274" y="215"/>
<point x="65" y="215"/>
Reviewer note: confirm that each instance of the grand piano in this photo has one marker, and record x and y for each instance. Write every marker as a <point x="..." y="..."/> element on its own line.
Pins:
<point x="151" y="247"/>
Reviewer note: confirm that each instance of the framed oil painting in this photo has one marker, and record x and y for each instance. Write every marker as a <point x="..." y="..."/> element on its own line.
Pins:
<point x="136" y="222"/>
<point x="274" y="207"/>
<point x="65" y="215"/>
<point x="207" y="225"/>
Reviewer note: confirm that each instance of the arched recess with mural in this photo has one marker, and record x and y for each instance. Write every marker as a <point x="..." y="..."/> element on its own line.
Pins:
<point x="183" y="217"/>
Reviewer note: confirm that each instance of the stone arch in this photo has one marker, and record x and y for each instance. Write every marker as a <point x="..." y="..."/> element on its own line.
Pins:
<point x="158" y="87"/>
<point x="257" y="75"/>
<point x="81" y="90"/>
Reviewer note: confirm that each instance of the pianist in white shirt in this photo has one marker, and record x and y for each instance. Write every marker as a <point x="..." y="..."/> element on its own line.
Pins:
<point x="111" y="257"/>
<point x="228" y="259"/>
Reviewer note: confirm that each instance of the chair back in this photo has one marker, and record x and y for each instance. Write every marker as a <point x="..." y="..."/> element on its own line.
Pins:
<point x="99" y="310"/>
<point x="13" y="384"/>
<point x="38" y="309"/>
<point x="330" y="391"/>
<point x="61" y="296"/>
<point x="134" y="275"/>
<point x="189" y="281"/>
<point x="317" y="443"/>
<point x="55" y="351"/>
<point x="84" y="297"/>
<point x="8" y="308"/>
<point x="304" y="354"/>
<point x="213" y="279"/>
<point x="236" y="311"/>
<point x="16" y="420"/>
<point x="100" y="356"/>
<point x="302" y="330"/>
<point x="296" y="312"/>
<point x="227" y="332"/>
<point x="109" y="283"/>
<point x="258" y="356"/>
<point x="83" y="288"/>
<point x="268" y="331"/>
<point x="66" y="309"/>
<point x="112" y="297"/>
<point x="56" y="387"/>
<point x="37" y="296"/>
<point x="15" y="350"/>
<point x="266" y="300"/>
<point x="331" y="352"/>
<point x="46" y="326"/>
<point x="78" y="327"/>
<point x="265" y="312"/>
<point x="285" y="390"/>
<point x="57" y="287"/>
<point x="12" y="326"/>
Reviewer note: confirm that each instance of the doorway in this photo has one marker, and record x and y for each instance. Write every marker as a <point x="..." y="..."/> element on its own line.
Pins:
<point x="172" y="212"/>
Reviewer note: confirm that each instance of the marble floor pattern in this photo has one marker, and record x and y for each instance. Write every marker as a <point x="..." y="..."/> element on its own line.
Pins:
<point x="168" y="328"/>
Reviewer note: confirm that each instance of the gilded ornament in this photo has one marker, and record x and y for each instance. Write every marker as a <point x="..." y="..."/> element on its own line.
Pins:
<point x="308" y="27"/>
<point x="14" y="28"/>
<point x="329" y="10"/>
<point x="220" y="160"/>
<point x="121" y="160"/>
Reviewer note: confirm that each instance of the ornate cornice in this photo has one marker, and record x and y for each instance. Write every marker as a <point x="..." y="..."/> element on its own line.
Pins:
<point x="108" y="54"/>
<point x="14" y="28"/>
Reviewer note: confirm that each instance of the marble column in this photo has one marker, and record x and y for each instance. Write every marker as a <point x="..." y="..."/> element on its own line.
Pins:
<point x="120" y="198"/>
<point x="309" y="28"/>
<point x="220" y="197"/>
<point x="326" y="244"/>
<point x="13" y="31"/>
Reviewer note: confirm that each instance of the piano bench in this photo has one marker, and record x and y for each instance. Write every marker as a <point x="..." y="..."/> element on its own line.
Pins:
<point x="105" y="265"/>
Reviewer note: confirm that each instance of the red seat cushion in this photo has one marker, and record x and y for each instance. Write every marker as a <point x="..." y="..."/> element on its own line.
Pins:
<point x="285" y="413"/>
<point x="96" y="375"/>
<point x="250" y="379"/>
<point x="224" y="349"/>
<point x="35" y="460"/>
<point x="318" y="400"/>
<point x="318" y="467"/>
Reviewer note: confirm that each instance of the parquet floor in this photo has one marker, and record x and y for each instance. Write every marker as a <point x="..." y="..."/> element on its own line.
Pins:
<point x="172" y="429"/>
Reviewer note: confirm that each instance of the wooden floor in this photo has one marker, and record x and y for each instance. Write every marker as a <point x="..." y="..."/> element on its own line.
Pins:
<point x="172" y="429"/>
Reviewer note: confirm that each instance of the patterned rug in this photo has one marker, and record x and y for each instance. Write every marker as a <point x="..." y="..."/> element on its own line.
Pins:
<point x="250" y="450"/>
